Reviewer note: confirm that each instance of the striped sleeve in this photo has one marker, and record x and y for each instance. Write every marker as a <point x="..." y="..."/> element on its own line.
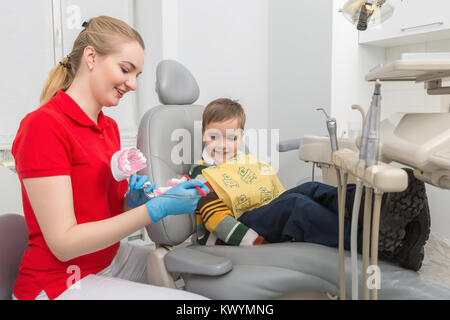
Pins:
<point x="213" y="211"/>
<point x="216" y="221"/>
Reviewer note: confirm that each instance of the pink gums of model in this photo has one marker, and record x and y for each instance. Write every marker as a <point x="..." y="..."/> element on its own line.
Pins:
<point x="126" y="162"/>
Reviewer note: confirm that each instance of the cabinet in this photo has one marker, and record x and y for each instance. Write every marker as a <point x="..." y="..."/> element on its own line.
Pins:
<point x="413" y="21"/>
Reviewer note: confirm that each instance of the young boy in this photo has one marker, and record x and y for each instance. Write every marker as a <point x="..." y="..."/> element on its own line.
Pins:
<point x="247" y="203"/>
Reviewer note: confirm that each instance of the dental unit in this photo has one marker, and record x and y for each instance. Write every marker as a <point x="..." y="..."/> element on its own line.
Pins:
<point x="418" y="140"/>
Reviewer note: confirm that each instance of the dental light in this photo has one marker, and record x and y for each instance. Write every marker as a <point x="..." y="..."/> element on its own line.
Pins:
<point x="368" y="13"/>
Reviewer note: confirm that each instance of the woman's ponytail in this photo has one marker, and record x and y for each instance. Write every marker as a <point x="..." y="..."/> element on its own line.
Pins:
<point x="60" y="78"/>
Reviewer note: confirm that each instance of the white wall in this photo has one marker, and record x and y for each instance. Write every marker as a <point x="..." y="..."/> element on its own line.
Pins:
<point x="224" y="44"/>
<point x="26" y="57"/>
<point x="299" y="76"/>
<point x="148" y="20"/>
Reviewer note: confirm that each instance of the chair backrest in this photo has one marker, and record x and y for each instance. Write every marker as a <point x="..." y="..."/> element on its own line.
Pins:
<point x="170" y="137"/>
<point x="13" y="243"/>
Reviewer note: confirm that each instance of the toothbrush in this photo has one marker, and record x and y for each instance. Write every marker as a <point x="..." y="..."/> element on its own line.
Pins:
<point x="196" y="187"/>
<point x="126" y="162"/>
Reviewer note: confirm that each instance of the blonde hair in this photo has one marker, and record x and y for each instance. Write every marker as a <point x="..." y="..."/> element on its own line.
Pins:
<point x="102" y="34"/>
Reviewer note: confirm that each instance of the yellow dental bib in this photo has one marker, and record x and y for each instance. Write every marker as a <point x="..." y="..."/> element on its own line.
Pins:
<point x="244" y="183"/>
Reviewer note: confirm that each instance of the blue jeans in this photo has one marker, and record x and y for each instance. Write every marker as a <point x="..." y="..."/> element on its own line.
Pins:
<point x="306" y="213"/>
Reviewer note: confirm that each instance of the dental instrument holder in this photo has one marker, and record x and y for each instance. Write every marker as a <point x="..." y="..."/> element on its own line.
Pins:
<point x="376" y="176"/>
<point x="342" y="191"/>
<point x="418" y="140"/>
<point x="373" y="130"/>
<point x="332" y="130"/>
<point x="368" y="156"/>
<point x="372" y="159"/>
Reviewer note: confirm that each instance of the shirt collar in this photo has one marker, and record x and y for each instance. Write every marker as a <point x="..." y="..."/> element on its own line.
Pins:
<point x="68" y="106"/>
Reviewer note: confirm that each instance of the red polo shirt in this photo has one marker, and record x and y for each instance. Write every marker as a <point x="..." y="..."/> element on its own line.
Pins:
<point x="60" y="139"/>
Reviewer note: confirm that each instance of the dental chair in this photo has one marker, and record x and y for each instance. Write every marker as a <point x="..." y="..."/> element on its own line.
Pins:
<point x="269" y="271"/>
<point x="13" y="243"/>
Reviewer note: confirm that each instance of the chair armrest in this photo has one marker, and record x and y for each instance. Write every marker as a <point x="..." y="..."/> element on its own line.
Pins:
<point x="288" y="145"/>
<point x="187" y="260"/>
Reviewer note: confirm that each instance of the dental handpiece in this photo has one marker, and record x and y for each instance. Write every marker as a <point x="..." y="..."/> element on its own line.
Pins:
<point x="369" y="121"/>
<point x="373" y="131"/>
<point x="332" y="131"/>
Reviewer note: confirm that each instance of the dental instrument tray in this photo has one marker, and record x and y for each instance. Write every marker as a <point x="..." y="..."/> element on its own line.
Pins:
<point x="413" y="67"/>
<point x="419" y="140"/>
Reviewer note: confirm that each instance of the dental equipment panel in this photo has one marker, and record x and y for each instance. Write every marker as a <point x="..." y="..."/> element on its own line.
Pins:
<point x="419" y="140"/>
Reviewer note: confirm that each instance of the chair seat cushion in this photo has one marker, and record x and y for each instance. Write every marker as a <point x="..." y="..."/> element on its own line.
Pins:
<point x="271" y="270"/>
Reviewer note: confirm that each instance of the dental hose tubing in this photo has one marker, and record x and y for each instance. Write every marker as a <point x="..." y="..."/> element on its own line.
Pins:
<point x="369" y="153"/>
<point x="354" y="238"/>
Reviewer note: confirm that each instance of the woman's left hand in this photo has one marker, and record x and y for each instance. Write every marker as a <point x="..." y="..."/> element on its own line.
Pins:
<point x="136" y="196"/>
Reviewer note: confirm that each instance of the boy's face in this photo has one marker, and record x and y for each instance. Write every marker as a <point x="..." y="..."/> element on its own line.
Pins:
<point x="222" y="139"/>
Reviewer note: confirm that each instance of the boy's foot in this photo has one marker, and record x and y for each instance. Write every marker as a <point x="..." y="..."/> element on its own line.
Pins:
<point x="398" y="210"/>
<point x="411" y="252"/>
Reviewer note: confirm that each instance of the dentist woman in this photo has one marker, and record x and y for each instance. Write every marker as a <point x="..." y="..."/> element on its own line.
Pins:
<point x="75" y="211"/>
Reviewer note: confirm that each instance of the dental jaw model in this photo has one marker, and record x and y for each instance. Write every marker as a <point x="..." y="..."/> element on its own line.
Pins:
<point x="169" y="184"/>
<point x="126" y="162"/>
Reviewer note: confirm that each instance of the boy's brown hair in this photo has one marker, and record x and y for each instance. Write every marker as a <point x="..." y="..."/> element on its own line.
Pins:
<point x="223" y="109"/>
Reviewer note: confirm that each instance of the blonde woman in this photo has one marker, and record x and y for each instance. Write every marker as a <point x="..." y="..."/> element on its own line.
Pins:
<point x="75" y="211"/>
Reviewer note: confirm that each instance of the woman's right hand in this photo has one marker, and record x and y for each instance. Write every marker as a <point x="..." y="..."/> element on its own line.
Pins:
<point x="181" y="199"/>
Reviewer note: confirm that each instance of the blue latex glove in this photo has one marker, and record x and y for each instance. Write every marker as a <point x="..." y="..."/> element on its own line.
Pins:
<point x="169" y="204"/>
<point x="136" y="196"/>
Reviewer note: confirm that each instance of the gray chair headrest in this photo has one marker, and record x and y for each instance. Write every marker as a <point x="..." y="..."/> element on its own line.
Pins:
<point x="175" y="84"/>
